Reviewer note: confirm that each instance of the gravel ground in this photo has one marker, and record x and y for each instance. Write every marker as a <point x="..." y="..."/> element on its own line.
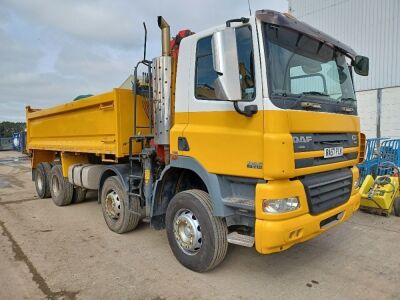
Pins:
<point x="69" y="253"/>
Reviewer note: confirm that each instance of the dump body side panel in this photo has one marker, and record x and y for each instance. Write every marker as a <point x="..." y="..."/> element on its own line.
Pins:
<point x="99" y="124"/>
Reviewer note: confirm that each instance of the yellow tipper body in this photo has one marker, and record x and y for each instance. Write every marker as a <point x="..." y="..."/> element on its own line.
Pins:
<point x="100" y="124"/>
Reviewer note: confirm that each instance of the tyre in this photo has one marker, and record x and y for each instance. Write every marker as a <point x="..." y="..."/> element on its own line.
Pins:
<point x="60" y="188"/>
<point x="42" y="180"/>
<point x="196" y="237"/>
<point x="396" y="207"/>
<point x="115" y="206"/>
<point x="79" y="194"/>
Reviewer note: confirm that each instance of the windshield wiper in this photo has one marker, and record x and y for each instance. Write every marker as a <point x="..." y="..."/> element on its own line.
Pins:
<point x="347" y="99"/>
<point x="310" y="105"/>
<point x="347" y="108"/>
<point x="286" y="95"/>
<point x="315" y="93"/>
<point x="298" y="98"/>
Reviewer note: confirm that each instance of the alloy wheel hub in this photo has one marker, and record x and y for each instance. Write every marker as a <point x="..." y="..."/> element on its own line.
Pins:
<point x="113" y="205"/>
<point x="187" y="231"/>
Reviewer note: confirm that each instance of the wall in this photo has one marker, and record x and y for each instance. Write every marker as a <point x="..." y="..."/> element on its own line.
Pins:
<point x="390" y="112"/>
<point x="367" y="108"/>
<point x="390" y="124"/>
<point x="370" y="27"/>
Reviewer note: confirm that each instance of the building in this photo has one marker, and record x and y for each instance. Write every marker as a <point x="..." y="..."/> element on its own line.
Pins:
<point x="371" y="28"/>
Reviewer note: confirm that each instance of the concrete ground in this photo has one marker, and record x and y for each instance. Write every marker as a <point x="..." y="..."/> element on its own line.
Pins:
<point x="69" y="253"/>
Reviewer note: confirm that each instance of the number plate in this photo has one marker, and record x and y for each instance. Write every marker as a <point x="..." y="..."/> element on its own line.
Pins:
<point x="333" y="152"/>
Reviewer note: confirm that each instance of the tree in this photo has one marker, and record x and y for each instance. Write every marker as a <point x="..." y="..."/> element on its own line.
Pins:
<point x="8" y="128"/>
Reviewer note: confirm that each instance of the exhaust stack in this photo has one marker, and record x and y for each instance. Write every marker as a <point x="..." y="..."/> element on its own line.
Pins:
<point x="165" y="35"/>
<point x="161" y="85"/>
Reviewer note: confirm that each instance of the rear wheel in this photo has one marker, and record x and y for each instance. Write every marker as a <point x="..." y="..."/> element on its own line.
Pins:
<point x="79" y="194"/>
<point x="397" y="207"/>
<point x="197" y="238"/>
<point x="61" y="190"/>
<point x="42" y="180"/>
<point x="115" y="206"/>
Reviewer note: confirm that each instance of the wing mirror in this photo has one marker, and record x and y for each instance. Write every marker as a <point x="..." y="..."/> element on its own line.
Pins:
<point x="226" y="65"/>
<point x="361" y="65"/>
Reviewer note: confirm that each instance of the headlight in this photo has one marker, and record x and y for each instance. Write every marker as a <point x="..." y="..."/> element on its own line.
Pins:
<point x="276" y="206"/>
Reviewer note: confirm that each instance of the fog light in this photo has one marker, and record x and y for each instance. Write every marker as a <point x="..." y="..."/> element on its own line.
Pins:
<point x="276" y="206"/>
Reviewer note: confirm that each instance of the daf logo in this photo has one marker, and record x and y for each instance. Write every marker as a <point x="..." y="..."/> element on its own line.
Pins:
<point x="254" y="165"/>
<point x="302" y="139"/>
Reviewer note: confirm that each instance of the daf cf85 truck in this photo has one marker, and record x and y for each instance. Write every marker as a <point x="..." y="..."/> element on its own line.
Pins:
<point x="244" y="133"/>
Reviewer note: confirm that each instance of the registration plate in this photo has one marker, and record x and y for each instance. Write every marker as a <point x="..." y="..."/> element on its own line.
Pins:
<point x="333" y="152"/>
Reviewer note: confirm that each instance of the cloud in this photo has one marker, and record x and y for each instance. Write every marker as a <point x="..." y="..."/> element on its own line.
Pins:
<point x="15" y="58"/>
<point x="119" y="23"/>
<point x="53" y="50"/>
<point x="93" y="21"/>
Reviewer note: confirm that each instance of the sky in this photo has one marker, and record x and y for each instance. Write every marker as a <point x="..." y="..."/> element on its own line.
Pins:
<point x="52" y="50"/>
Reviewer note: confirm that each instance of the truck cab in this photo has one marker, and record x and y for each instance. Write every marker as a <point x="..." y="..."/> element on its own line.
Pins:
<point x="288" y="168"/>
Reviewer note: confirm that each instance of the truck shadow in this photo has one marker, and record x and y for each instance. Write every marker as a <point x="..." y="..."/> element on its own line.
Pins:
<point x="276" y="264"/>
<point x="248" y="260"/>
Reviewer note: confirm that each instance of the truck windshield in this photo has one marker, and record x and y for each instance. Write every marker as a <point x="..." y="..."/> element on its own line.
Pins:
<point x="307" y="74"/>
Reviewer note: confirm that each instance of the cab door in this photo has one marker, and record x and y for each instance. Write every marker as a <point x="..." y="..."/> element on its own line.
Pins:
<point x="219" y="138"/>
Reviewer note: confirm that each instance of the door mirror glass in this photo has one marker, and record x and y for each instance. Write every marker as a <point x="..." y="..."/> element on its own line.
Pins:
<point x="361" y="65"/>
<point x="226" y="65"/>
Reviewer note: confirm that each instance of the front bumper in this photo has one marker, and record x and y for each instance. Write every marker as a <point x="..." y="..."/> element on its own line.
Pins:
<point x="274" y="233"/>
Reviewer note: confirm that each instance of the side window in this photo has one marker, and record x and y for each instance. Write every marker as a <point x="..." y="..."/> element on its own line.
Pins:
<point x="205" y="74"/>
<point x="246" y="62"/>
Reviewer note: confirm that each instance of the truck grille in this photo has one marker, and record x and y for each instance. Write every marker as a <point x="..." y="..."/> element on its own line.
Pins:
<point x="320" y="141"/>
<point x="327" y="190"/>
<point x="317" y="161"/>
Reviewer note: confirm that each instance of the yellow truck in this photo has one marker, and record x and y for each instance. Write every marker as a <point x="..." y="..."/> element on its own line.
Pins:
<point x="245" y="133"/>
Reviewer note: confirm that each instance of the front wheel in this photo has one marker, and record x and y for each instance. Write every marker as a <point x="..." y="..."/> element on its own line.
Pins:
<point x="197" y="238"/>
<point x="115" y="206"/>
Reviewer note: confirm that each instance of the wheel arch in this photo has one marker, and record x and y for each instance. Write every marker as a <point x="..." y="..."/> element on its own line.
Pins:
<point x="41" y="156"/>
<point x="169" y="184"/>
<point x="121" y="171"/>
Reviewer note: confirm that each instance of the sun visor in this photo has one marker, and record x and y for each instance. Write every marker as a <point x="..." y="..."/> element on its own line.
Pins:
<point x="288" y="21"/>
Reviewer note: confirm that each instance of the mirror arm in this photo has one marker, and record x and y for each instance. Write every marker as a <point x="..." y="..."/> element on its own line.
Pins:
<point x="249" y="110"/>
